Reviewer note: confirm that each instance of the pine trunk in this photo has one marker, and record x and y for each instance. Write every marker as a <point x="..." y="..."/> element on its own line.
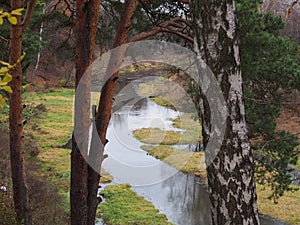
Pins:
<point x="103" y="115"/>
<point x="20" y="190"/>
<point x="86" y="26"/>
<point x="231" y="174"/>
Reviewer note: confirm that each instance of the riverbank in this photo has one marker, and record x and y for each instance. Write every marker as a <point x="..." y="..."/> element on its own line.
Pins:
<point x="49" y="116"/>
<point x="123" y="206"/>
<point x="45" y="133"/>
<point x="47" y="165"/>
<point x="288" y="207"/>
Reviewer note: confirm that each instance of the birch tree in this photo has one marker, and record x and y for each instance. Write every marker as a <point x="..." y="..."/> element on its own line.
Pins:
<point x="231" y="174"/>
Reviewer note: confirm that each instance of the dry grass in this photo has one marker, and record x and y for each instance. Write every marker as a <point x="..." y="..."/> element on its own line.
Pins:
<point x="287" y="209"/>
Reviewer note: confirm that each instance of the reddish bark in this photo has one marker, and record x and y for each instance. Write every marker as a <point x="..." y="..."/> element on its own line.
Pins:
<point x="107" y="93"/>
<point x="86" y="25"/>
<point x="104" y="109"/>
<point x="20" y="190"/>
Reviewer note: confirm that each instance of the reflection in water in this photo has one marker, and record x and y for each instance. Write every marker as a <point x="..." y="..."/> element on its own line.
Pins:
<point x="181" y="197"/>
<point x="127" y="162"/>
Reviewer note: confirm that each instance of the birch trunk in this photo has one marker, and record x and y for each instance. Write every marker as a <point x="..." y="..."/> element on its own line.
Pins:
<point x="231" y="174"/>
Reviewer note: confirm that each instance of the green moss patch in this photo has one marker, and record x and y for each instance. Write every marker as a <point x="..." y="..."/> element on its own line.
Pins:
<point x="166" y="137"/>
<point x="186" y="162"/>
<point x="124" y="207"/>
<point x="157" y="136"/>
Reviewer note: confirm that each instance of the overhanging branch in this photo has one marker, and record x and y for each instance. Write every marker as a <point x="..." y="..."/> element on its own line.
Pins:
<point x="164" y="27"/>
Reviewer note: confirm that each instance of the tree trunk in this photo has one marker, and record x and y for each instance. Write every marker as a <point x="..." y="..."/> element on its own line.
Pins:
<point x="20" y="190"/>
<point x="104" y="109"/>
<point x="231" y="173"/>
<point x="86" y="26"/>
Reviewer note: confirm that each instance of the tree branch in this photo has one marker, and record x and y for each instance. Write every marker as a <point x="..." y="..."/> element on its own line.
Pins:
<point x="28" y="15"/>
<point x="156" y="30"/>
<point x="164" y="28"/>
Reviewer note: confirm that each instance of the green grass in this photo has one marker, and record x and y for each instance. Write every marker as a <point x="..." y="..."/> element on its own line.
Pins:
<point x="124" y="207"/>
<point x="298" y="163"/>
<point x="186" y="162"/>
<point x="162" y="102"/>
<point x="157" y="136"/>
<point x="50" y="130"/>
<point x="191" y="133"/>
<point x="287" y="209"/>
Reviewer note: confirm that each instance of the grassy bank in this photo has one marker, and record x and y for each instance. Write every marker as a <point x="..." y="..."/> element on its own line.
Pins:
<point x="124" y="207"/>
<point x="49" y="131"/>
<point x="186" y="162"/>
<point x="49" y="117"/>
<point x="287" y="209"/>
<point x="191" y="133"/>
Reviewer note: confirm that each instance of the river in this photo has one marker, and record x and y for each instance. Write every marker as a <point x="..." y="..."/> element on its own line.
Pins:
<point x="182" y="197"/>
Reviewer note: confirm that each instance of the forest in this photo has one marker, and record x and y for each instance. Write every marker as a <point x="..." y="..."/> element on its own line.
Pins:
<point x="148" y="112"/>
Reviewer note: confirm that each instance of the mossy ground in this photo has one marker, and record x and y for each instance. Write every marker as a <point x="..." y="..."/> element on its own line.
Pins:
<point x="123" y="206"/>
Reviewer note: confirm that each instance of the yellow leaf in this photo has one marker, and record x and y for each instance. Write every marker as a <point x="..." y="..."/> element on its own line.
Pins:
<point x="7" y="78"/>
<point x="10" y="66"/>
<point x="13" y="20"/>
<point x="5" y="14"/>
<point x="1" y="20"/>
<point x="17" y="12"/>
<point x="1" y="10"/>
<point x="26" y="85"/>
<point x="2" y="101"/>
<point x="3" y="71"/>
<point x="7" y="89"/>
<point x="4" y="63"/>
<point x="23" y="56"/>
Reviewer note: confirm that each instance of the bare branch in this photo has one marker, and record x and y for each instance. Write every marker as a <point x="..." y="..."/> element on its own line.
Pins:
<point x="28" y="15"/>
<point x="4" y="39"/>
<point x="162" y="28"/>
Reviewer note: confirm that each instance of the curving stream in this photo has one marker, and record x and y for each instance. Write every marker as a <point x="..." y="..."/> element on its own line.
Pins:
<point x="182" y="197"/>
